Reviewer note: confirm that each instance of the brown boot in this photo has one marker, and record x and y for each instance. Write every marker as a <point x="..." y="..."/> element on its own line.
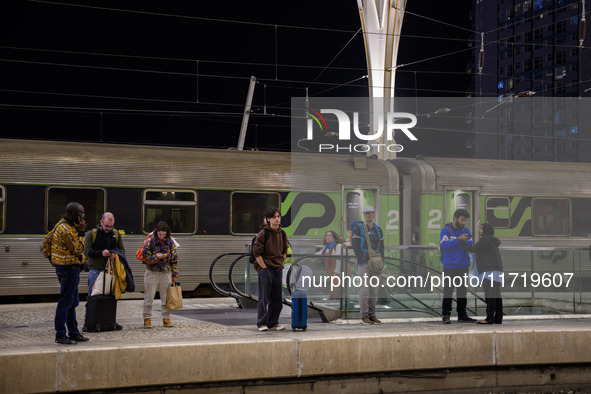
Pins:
<point x="147" y="322"/>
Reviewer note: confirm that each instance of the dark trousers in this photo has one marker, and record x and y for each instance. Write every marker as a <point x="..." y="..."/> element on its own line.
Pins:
<point x="494" y="302"/>
<point x="270" y="296"/>
<point x="65" y="313"/>
<point x="448" y="289"/>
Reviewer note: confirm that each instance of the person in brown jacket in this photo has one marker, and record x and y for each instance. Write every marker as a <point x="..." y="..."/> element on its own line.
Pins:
<point x="270" y="250"/>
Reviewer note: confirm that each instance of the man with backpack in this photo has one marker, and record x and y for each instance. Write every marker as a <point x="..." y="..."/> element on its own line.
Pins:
<point x="456" y="263"/>
<point x="361" y="233"/>
<point x="100" y="243"/>
<point x="270" y="251"/>
<point x="67" y="245"/>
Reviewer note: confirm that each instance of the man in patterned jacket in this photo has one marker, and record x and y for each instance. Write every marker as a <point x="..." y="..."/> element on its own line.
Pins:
<point x="67" y="246"/>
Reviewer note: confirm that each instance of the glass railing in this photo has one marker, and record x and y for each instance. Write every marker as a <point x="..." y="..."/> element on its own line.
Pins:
<point x="537" y="280"/>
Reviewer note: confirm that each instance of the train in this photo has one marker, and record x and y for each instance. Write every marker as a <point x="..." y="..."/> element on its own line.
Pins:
<point x="215" y="199"/>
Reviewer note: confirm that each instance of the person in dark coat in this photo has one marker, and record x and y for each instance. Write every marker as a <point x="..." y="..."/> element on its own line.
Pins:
<point x="490" y="269"/>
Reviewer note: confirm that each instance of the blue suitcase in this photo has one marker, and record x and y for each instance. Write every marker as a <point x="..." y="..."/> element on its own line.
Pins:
<point x="299" y="310"/>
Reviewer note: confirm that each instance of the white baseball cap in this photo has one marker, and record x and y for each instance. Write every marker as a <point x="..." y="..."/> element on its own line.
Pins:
<point x="368" y="208"/>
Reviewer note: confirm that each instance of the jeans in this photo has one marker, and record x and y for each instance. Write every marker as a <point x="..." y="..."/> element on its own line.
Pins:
<point x="494" y="302"/>
<point x="270" y="296"/>
<point x="448" y="289"/>
<point x="368" y="294"/>
<point x="156" y="281"/>
<point x="65" y="313"/>
<point x="92" y="276"/>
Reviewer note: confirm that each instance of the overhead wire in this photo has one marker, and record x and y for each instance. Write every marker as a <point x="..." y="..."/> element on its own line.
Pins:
<point x="254" y="23"/>
<point x="334" y="58"/>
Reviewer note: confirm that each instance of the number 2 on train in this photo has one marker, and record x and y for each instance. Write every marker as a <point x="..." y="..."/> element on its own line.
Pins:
<point x="391" y="224"/>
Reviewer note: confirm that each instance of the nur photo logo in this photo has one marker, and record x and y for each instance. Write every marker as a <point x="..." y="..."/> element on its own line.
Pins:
<point x="385" y="129"/>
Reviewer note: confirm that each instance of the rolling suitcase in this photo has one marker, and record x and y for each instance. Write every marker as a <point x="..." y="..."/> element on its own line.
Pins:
<point x="299" y="310"/>
<point x="101" y="311"/>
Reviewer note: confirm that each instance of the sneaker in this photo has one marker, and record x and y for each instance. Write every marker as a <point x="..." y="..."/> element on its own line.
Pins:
<point x="367" y="320"/>
<point x="375" y="320"/>
<point x="167" y="323"/>
<point x="466" y="319"/>
<point x="78" y="338"/>
<point x="65" y="341"/>
<point x="278" y="327"/>
<point x="118" y="326"/>
<point x="263" y="328"/>
<point x="446" y="319"/>
<point x="147" y="322"/>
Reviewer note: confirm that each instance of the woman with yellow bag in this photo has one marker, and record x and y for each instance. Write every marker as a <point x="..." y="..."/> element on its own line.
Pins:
<point x="161" y="260"/>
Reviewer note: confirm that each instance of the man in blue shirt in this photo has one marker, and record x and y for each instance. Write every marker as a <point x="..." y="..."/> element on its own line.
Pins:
<point x="456" y="263"/>
<point x="368" y="293"/>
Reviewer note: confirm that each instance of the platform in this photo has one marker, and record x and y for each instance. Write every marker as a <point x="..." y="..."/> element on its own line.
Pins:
<point x="215" y="347"/>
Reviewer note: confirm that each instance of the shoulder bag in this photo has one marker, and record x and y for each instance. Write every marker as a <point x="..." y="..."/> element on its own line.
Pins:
<point x="375" y="263"/>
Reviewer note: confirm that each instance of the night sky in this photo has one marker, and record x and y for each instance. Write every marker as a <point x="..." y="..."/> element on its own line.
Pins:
<point x="177" y="72"/>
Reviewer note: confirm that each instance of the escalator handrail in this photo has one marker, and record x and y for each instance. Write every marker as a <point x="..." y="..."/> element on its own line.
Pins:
<point x="430" y="269"/>
<point x="302" y="257"/>
<point x="434" y="312"/>
<point x="231" y="280"/>
<point x="212" y="281"/>
<point x="240" y="293"/>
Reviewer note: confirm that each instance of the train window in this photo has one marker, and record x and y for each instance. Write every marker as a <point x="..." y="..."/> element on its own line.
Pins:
<point x="92" y="199"/>
<point x="2" y="207"/>
<point x="178" y="208"/>
<point x="248" y="210"/>
<point x="498" y="212"/>
<point x="551" y="216"/>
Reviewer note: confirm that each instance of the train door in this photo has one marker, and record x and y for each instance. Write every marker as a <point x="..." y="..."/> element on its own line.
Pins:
<point x="465" y="198"/>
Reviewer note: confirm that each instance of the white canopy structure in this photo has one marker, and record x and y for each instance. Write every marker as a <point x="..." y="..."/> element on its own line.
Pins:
<point x="381" y="21"/>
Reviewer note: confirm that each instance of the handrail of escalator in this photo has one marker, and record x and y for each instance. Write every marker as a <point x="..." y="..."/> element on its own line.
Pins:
<point x="250" y="296"/>
<point x="430" y="269"/>
<point x="212" y="281"/>
<point x="240" y="292"/>
<point x="430" y="310"/>
<point x="288" y="278"/>
<point x="231" y="280"/>
<point x="406" y="308"/>
<point x="438" y="289"/>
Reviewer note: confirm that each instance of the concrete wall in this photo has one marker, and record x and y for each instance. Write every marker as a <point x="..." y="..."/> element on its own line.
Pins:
<point x="90" y="367"/>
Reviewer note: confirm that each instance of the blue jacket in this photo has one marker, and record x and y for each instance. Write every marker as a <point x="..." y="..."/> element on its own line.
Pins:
<point x="358" y="241"/>
<point x="452" y="253"/>
<point x="129" y="275"/>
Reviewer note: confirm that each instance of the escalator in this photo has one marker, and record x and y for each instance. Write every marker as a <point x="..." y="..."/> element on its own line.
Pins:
<point x="232" y="275"/>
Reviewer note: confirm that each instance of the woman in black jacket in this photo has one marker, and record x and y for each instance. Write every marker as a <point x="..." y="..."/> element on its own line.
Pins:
<point x="490" y="269"/>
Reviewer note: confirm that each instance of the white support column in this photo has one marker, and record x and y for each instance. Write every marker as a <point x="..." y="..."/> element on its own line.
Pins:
<point x="246" y="115"/>
<point x="381" y="21"/>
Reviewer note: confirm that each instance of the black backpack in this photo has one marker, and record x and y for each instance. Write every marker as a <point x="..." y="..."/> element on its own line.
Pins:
<point x="251" y="258"/>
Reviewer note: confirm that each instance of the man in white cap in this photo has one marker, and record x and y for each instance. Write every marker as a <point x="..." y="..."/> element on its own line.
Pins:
<point x="368" y="294"/>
